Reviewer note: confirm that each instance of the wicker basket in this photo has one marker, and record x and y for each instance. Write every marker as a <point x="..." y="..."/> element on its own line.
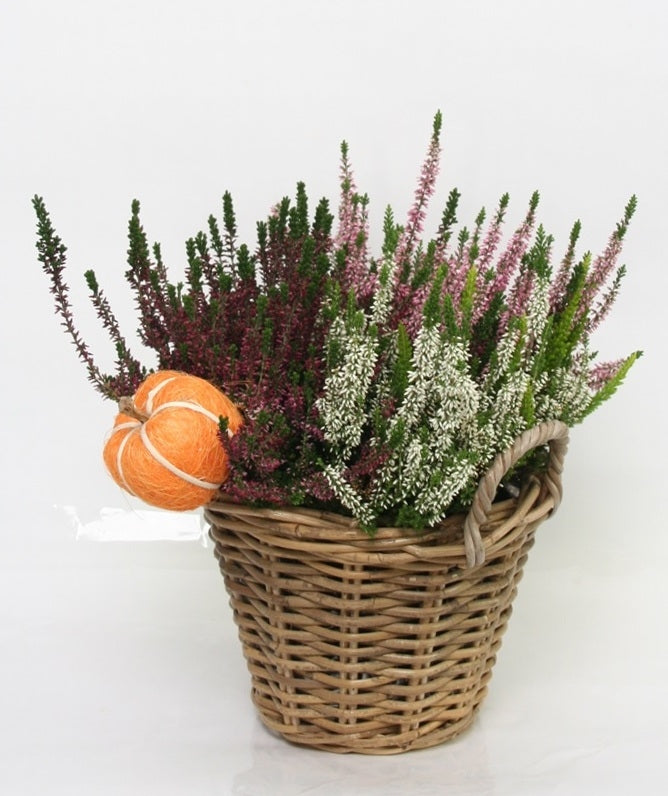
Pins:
<point x="380" y="645"/>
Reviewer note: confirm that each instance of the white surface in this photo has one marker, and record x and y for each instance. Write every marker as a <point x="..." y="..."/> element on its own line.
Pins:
<point x="119" y="668"/>
<point x="122" y="675"/>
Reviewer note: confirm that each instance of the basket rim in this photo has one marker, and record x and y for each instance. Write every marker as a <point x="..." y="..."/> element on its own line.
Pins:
<point x="327" y="534"/>
<point x="295" y="527"/>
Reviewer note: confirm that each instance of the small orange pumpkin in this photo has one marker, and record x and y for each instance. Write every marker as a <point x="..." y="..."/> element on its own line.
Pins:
<point x="164" y="446"/>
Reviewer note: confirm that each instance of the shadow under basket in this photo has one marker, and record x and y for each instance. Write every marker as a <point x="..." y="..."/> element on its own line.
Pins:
<point x="386" y="644"/>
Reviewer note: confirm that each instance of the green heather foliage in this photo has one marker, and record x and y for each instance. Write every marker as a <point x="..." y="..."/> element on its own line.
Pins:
<point x="380" y="386"/>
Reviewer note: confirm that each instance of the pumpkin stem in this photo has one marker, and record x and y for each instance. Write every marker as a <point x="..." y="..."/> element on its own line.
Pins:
<point x="126" y="406"/>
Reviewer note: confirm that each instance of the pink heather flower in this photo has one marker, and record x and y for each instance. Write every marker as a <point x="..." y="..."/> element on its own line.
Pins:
<point x="424" y="192"/>
<point x="519" y="298"/>
<point x="560" y="281"/>
<point x="414" y="313"/>
<point x="409" y="306"/>
<point x="511" y="257"/>
<point x="483" y="263"/>
<point x="606" y="302"/>
<point x="453" y="285"/>
<point x="490" y="244"/>
<point x="353" y="232"/>
<point x="509" y="261"/>
<point x="600" y="374"/>
<point x="601" y="270"/>
<point x="348" y="228"/>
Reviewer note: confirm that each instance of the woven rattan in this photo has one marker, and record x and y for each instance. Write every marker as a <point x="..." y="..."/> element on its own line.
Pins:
<point x="385" y="644"/>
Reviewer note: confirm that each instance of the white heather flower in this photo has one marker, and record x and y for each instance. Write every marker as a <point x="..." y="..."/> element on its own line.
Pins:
<point x="433" y="501"/>
<point x="567" y="398"/>
<point x="506" y="419"/>
<point x="437" y="417"/>
<point x="505" y="352"/>
<point x="382" y="299"/>
<point x="348" y="497"/>
<point x="342" y="407"/>
<point x="538" y="307"/>
<point x="410" y="473"/>
<point x="423" y="370"/>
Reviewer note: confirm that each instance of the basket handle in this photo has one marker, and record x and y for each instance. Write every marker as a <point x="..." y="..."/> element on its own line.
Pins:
<point x="553" y="431"/>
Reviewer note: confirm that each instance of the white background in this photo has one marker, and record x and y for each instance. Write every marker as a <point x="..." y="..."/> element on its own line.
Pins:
<point x="119" y="668"/>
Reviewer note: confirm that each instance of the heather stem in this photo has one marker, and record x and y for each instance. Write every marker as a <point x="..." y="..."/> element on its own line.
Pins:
<point x="129" y="367"/>
<point x="52" y="255"/>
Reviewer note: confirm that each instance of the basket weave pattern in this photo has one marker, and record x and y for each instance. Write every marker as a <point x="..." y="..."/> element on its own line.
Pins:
<point x="378" y="645"/>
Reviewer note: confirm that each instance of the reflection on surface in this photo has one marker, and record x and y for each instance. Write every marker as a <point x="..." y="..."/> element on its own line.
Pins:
<point x="280" y="768"/>
<point x="136" y="525"/>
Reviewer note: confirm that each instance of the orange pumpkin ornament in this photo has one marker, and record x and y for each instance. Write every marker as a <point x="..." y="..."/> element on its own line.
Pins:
<point x="164" y="446"/>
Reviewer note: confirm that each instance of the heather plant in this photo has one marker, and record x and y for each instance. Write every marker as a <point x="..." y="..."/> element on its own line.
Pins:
<point x="246" y="321"/>
<point x="381" y="386"/>
<point x="451" y="348"/>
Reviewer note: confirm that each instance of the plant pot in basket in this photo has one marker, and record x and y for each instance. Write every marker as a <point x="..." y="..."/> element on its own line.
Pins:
<point x="347" y="421"/>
